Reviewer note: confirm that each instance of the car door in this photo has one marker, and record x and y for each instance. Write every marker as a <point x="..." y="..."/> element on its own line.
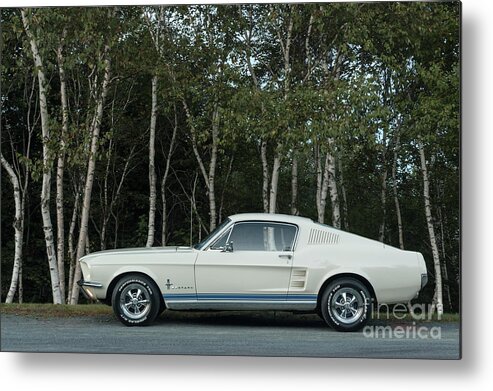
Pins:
<point x="249" y="263"/>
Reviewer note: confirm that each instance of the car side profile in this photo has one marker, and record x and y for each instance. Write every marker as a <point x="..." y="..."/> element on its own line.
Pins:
<point x="257" y="261"/>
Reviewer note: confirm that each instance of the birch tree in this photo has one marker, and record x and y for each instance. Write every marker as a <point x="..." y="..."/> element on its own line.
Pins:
<point x="94" y="131"/>
<point x="47" y="160"/>
<point x="156" y="30"/>
<point x="18" y="228"/>
<point x="60" y="168"/>
<point x="438" y="296"/>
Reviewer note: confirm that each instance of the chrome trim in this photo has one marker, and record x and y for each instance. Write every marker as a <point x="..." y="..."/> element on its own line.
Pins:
<point x="295" y="239"/>
<point x="213" y="239"/>
<point x="243" y="306"/>
<point x="92" y="284"/>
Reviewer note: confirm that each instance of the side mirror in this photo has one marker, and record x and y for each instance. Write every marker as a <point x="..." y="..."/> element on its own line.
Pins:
<point x="228" y="248"/>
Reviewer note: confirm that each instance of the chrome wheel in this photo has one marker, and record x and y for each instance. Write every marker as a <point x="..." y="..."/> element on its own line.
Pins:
<point x="135" y="301"/>
<point x="347" y="305"/>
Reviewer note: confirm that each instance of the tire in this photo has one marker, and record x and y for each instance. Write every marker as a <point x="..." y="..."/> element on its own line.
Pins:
<point x="136" y="300"/>
<point x="346" y="305"/>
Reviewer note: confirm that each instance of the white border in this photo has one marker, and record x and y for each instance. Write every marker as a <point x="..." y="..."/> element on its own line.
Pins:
<point x="74" y="372"/>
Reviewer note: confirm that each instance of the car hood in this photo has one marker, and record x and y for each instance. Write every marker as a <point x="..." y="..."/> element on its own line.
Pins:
<point x="139" y="250"/>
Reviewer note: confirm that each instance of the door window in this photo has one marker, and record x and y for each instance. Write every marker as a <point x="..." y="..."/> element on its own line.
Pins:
<point x="261" y="236"/>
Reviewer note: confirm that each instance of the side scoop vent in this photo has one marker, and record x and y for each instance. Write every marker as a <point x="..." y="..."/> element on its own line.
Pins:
<point x="298" y="278"/>
<point x="318" y="236"/>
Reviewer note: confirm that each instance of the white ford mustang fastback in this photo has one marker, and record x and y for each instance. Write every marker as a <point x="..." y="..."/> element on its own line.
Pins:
<point x="257" y="262"/>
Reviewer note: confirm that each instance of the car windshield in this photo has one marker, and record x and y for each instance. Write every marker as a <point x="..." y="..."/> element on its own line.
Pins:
<point x="200" y="245"/>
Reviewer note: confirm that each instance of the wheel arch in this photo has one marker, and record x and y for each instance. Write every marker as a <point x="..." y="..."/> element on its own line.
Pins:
<point x="356" y="276"/>
<point x="118" y="277"/>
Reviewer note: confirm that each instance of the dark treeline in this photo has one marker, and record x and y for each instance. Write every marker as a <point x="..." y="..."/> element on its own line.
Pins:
<point x="146" y="126"/>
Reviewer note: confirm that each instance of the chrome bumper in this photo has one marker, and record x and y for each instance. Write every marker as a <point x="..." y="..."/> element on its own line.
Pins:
<point x="89" y="284"/>
<point x="424" y="280"/>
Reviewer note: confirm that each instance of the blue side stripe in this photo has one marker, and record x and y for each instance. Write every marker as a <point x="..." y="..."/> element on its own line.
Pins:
<point x="246" y="296"/>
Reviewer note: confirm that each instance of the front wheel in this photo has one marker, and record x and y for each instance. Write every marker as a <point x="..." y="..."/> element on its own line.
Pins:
<point x="136" y="300"/>
<point x="346" y="305"/>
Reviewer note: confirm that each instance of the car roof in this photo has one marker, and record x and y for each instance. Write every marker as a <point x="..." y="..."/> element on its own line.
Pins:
<point x="271" y="217"/>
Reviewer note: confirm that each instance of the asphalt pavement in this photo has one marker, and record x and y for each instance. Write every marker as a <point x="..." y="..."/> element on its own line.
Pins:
<point x="229" y="333"/>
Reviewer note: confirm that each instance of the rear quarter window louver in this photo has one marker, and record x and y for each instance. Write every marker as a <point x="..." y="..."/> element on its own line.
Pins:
<point x="318" y="236"/>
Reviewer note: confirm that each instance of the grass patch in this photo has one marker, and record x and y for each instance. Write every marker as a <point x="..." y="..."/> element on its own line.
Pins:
<point x="52" y="310"/>
<point x="446" y="317"/>
<point x="65" y="310"/>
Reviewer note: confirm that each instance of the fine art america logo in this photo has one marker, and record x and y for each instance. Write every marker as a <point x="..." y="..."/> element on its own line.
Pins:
<point x="415" y="312"/>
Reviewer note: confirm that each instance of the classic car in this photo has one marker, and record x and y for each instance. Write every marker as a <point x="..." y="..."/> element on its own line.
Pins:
<point x="257" y="261"/>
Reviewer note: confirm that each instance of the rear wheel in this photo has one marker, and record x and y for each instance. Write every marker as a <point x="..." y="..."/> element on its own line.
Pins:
<point x="346" y="304"/>
<point x="136" y="300"/>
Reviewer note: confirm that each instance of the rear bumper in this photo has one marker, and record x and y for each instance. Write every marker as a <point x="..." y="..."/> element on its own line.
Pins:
<point x="424" y="280"/>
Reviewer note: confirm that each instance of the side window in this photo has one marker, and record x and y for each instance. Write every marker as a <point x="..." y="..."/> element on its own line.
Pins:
<point x="220" y="243"/>
<point x="263" y="237"/>
<point x="284" y="237"/>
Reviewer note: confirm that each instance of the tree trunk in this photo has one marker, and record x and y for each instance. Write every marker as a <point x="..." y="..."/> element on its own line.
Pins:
<point x="383" y="190"/>
<point x="47" y="165"/>
<point x="209" y="178"/>
<point x="95" y="129"/>
<point x="152" y="169"/>
<point x="383" y="200"/>
<point x="18" y="229"/>
<point x="274" y="182"/>
<point x="345" y="216"/>
<point x="323" y="186"/>
<point x="212" y="168"/>
<point x="431" y="232"/>
<point x="165" y="180"/>
<point x="71" y="252"/>
<point x="265" y="176"/>
<point x="59" y="174"/>
<point x="444" y="263"/>
<point x="396" y="195"/>
<point x="294" y="186"/>
<point x="225" y="185"/>
<point x="327" y="185"/>
<point x="334" y="195"/>
<point x="318" y="194"/>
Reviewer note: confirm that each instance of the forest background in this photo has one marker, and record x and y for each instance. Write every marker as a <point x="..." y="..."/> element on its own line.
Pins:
<point x="147" y="126"/>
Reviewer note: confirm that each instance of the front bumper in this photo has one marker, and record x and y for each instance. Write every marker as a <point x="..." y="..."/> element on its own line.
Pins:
<point x="86" y="287"/>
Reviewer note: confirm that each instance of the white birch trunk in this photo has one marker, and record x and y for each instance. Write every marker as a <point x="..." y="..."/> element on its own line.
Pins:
<point x="265" y="176"/>
<point x="444" y="263"/>
<point x="345" y="217"/>
<point x="332" y="184"/>
<point x="383" y="189"/>
<point x="323" y="189"/>
<point x="274" y="183"/>
<point x="318" y="194"/>
<point x="396" y="196"/>
<point x="327" y="185"/>
<point x="212" y="168"/>
<point x="152" y="168"/>
<point x="18" y="230"/>
<point x="47" y="165"/>
<point x="209" y="178"/>
<point x="71" y="252"/>
<point x="383" y="200"/>
<point x="294" y="186"/>
<point x="165" y="180"/>
<point x="431" y="232"/>
<point x="95" y="129"/>
<point x="59" y="175"/>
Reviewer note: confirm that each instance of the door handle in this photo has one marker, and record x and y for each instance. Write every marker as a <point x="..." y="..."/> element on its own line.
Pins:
<point x="285" y="256"/>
